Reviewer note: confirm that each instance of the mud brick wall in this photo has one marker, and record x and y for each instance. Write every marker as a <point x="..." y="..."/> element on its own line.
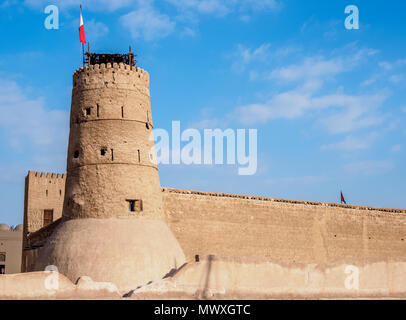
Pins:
<point x="297" y="231"/>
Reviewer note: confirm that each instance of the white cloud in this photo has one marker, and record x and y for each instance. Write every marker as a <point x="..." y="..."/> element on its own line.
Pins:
<point x="95" y="30"/>
<point x="310" y="68"/>
<point x="244" y="56"/>
<point x="385" y="65"/>
<point x="320" y="67"/>
<point x="224" y="7"/>
<point x="337" y="112"/>
<point x="148" y="23"/>
<point x="369" y="168"/>
<point x="306" y="180"/>
<point x="24" y="120"/>
<point x="369" y="81"/>
<point x="348" y="112"/>
<point x="396" y="148"/>
<point x="351" y="143"/>
<point x="396" y="78"/>
<point x="94" y="5"/>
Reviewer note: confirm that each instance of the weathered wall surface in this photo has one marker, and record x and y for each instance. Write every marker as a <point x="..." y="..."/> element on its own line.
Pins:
<point x="296" y="231"/>
<point x="43" y="191"/>
<point x="251" y="278"/>
<point x="53" y="285"/>
<point x="110" y="156"/>
<point x="10" y="248"/>
<point x="229" y="278"/>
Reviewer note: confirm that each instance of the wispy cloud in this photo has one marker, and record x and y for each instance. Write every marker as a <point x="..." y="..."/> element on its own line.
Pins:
<point x="148" y="23"/>
<point x="224" y="7"/>
<point x="244" y="56"/>
<point x="24" y="120"/>
<point x="369" y="167"/>
<point x="349" y="112"/>
<point x="294" y="181"/>
<point x="351" y="143"/>
<point x="319" y="67"/>
<point x="396" y="148"/>
<point x="96" y="30"/>
<point x="94" y="5"/>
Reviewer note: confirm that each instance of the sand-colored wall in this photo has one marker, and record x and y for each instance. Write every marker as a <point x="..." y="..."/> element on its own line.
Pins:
<point x="251" y="278"/>
<point x="295" y="231"/>
<point x="43" y="191"/>
<point x="110" y="155"/>
<point x="229" y="278"/>
<point x="11" y="244"/>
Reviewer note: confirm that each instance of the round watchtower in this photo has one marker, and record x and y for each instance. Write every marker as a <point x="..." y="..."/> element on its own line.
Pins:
<point x="113" y="227"/>
<point x="111" y="164"/>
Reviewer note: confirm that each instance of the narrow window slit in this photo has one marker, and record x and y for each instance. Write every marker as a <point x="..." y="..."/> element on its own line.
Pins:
<point x="122" y="112"/>
<point x="112" y="155"/>
<point x="98" y="110"/>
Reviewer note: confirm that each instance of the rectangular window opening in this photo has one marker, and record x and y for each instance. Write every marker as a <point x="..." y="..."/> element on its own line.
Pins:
<point x="135" y="205"/>
<point x="88" y="111"/>
<point x="112" y="155"/>
<point x="122" y="112"/>
<point x="2" y="257"/>
<point x="98" y="110"/>
<point x="2" y="269"/>
<point x="48" y="217"/>
<point x="139" y="156"/>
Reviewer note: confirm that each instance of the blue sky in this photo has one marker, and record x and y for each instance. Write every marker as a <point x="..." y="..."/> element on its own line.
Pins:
<point x="328" y="103"/>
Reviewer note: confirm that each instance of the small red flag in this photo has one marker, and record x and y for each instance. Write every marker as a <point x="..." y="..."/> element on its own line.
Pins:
<point x="342" y="198"/>
<point x="81" y="28"/>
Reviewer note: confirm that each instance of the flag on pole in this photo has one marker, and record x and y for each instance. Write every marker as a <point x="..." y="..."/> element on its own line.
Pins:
<point x="342" y="198"/>
<point x="81" y="28"/>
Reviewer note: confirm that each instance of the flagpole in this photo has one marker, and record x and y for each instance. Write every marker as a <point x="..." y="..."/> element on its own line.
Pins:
<point x="83" y="45"/>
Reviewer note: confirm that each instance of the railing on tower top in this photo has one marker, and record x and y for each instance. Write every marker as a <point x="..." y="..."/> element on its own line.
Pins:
<point x="102" y="58"/>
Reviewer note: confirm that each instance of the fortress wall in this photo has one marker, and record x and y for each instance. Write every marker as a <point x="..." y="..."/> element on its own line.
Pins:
<point x="234" y="225"/>
<point x="43" y="191"/>
<point x="218" y="278"/>
<point x="296" y="231"/>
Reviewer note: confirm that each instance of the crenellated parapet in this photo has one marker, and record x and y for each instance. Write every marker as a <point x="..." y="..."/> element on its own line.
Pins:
<point x="51" y="177"/>
<point x="116" y="75"/>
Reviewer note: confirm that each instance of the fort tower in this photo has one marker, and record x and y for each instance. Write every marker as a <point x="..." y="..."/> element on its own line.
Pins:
<point x="113" y="226"/>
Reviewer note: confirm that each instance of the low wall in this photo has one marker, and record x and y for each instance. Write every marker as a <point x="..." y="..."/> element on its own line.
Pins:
<point x="250" y="278"/>
<point x="53" y="285"/>
<point x="287" y="230"/>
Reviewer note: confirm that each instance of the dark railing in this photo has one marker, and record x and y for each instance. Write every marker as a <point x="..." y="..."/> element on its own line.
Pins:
<point x="102" y="58"/>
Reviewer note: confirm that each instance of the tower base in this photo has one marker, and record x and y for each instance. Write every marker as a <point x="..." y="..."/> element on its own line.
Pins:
<point x="126" y="252"/>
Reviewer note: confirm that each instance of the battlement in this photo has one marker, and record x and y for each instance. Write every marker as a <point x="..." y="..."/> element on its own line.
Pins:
<point x="110" y="75"/>
<point x="288" y="201"/>
<point x="46" y="175"/>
